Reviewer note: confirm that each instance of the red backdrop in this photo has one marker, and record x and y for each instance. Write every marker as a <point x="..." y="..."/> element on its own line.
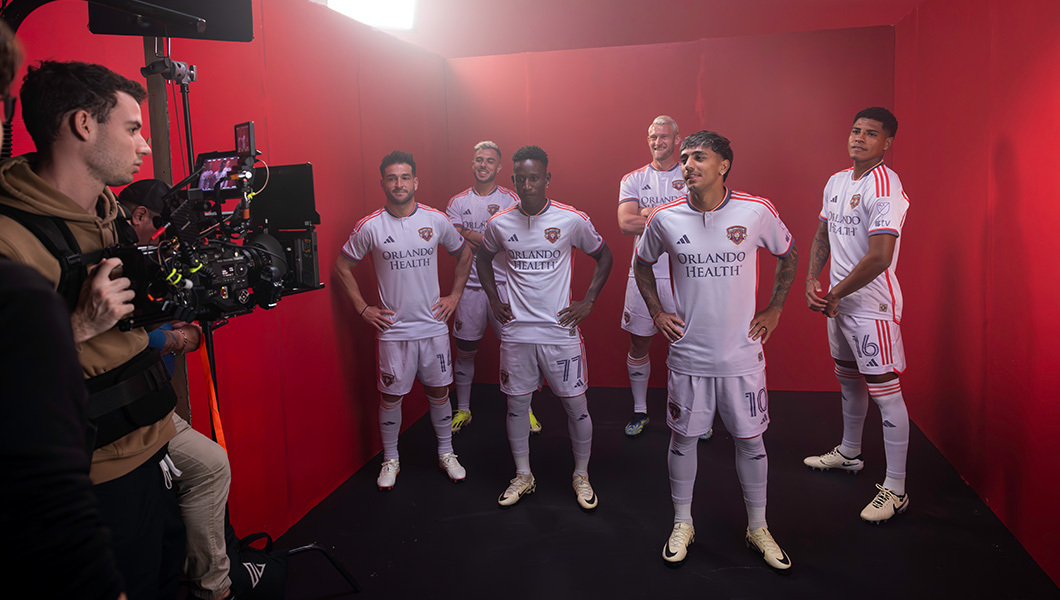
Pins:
<point x="977" y="95"/>
<point x="973" y="89"/>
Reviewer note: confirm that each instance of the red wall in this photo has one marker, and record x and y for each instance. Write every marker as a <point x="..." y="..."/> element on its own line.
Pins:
<point x="977" y="96"/>
<point x="786" y="102"/>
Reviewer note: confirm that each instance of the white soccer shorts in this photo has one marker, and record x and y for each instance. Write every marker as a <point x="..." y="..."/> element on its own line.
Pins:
<point x="524" y="365"/>
<point x="472" y="313"/>
<point x="742" y="402"/>
<point x="402" y="362"/>
<point x="635" y="317"/>
<point x="875" y="345"/>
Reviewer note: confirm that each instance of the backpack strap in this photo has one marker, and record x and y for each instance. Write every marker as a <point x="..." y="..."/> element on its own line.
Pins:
<point x="57" y="238"/>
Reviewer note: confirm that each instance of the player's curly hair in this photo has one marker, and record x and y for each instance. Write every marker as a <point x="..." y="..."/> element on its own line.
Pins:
<point x="530" y="153"/>
<point x="718" y="144"/>
<point x="881" y="114"/>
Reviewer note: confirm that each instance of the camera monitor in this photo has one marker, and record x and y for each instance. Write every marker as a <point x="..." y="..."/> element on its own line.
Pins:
<point x="287" y="201"/>
<point x="215" y="169"/>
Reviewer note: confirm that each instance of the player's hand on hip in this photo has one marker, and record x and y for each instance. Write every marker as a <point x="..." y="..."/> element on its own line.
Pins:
<point x="670" y="326"/>
<point x="444" y="308"/>
<point x="575" y="313"/>
<point x="103" y="301"/>
<point x="763" y="324"/>
<point x="378" y="317"/>
<point x="813" y="297"/>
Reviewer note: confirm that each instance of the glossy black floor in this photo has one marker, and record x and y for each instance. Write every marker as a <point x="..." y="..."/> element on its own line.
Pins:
<point x="430" y="538"/>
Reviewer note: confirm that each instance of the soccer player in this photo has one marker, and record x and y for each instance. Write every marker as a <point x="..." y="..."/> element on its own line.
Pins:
<point x="716" y="362"/>
<point x="403" y="239"/>
<point x="539" y="336"/>
<point x="861" y="224"/>
<point x="654" y="184"/>
<point x="469" y="210"/>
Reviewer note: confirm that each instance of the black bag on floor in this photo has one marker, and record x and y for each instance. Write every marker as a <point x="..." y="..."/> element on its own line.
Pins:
<point x="256" y="574"/>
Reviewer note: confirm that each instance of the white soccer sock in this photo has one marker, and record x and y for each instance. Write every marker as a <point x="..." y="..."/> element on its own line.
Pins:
<point x="580" y="428"/>
<point x="639" y="369"/>
<point x="442" y="419"/>
<point x="463" y="375"/>
<point x="888" y="396"/>
<point x="522" y="464"/>
<point x="390" y="427"/>
<point x="682" y="462"/>
<point x="519" y="425"/>
<point x="752" y="467"/>
<point x="855" y="407"/>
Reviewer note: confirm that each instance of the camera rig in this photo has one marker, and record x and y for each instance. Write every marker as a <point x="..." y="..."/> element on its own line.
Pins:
<point x="210" y="259"/>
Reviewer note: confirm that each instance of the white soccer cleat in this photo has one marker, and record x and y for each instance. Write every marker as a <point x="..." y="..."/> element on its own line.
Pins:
<point x="586" y="496"/>
<point x="885" y="505"/>
<point x="452" y="467"/>
<point x="676" y="548"/>
<point x="762" y="542"/>
<point x="834" y="460"/>
<point x="388" y="474"/>
<point x="522" y="485"/>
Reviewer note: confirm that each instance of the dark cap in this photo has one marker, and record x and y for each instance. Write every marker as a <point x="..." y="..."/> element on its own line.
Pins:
<point x="146" y="193"/>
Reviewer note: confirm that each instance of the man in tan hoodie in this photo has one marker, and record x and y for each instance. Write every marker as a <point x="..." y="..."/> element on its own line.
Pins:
<point x="85" y="121"/>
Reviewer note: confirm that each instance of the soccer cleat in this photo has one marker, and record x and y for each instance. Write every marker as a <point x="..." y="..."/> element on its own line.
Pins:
<point x="535" y="425"/>
<point x="522" y="485"/>
<point x="762" y="542"/>
<point x="834" y="460"/>
<point x="636" y="425"/>
<point x="388" y="474"/>
<point x="452" y="467"/>
<point x="706" y="436"/>
<point x="885" y="505"/>
<point x="461" y="419"/>
<point x="676" y="548"/>
<point x="586" y="496"/>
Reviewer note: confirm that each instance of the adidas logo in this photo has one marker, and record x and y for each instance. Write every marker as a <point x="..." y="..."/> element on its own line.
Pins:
<point x="873" y="363"/>
<point x="834" y="199"/>
<point x="676" y="452"/>
<point x="889" y="424"/>
<point x="636" y="374"/>
<point x="514" y="238"/>
<point x="467" y="211"/>
<point x="389" y="240"/>
<point x="646" y="187"/>
<point x="684" y="240"/>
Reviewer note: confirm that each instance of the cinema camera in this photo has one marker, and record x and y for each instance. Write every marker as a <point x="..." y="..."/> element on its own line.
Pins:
<point x="222" y="249"/>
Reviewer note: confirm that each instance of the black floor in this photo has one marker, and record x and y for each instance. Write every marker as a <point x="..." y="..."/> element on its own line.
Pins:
<point x="430" y="538"/>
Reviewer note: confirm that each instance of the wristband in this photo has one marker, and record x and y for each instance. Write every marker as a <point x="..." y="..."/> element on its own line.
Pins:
<point x="184" y="346"/>
<point x="364" y="309"/>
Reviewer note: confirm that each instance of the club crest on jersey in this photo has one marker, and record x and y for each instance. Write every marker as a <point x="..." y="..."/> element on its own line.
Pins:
<point x="675" y="411"/>
<point x="387" y="378"/>
<point x="855" y="200"/>
<point x="426" y="233"/>
<point x="504" y="377"/>
<point x="679" y="184"/>
<point x="493" y="208"/>
<point x="552" y="234"/>
<point x="457" y="324"/>
<point x="736" y="234"/>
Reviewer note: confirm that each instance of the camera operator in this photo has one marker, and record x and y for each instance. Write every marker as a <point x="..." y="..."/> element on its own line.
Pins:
<point x="202" y="486"/>
<point x="48" y="512"/>
<point x="85" y="121"/>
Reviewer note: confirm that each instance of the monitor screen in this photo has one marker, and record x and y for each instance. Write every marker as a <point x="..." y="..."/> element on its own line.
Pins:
<point x="217" y="169"/>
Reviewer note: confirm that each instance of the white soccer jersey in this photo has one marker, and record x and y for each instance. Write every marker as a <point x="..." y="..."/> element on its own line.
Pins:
<point x="403" y="251"/>
<point x="650" y="187"/>
<point x="467" y="210"/>
<point x="876" y="204"/>
<point x="537" y="250"/>
<point x="714" y="265"/>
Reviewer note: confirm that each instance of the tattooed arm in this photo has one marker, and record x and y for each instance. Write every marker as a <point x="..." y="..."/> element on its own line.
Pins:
<point x="668" y="323"/>
<point x="819" y="252"/>
<point x="765" y="321"/>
